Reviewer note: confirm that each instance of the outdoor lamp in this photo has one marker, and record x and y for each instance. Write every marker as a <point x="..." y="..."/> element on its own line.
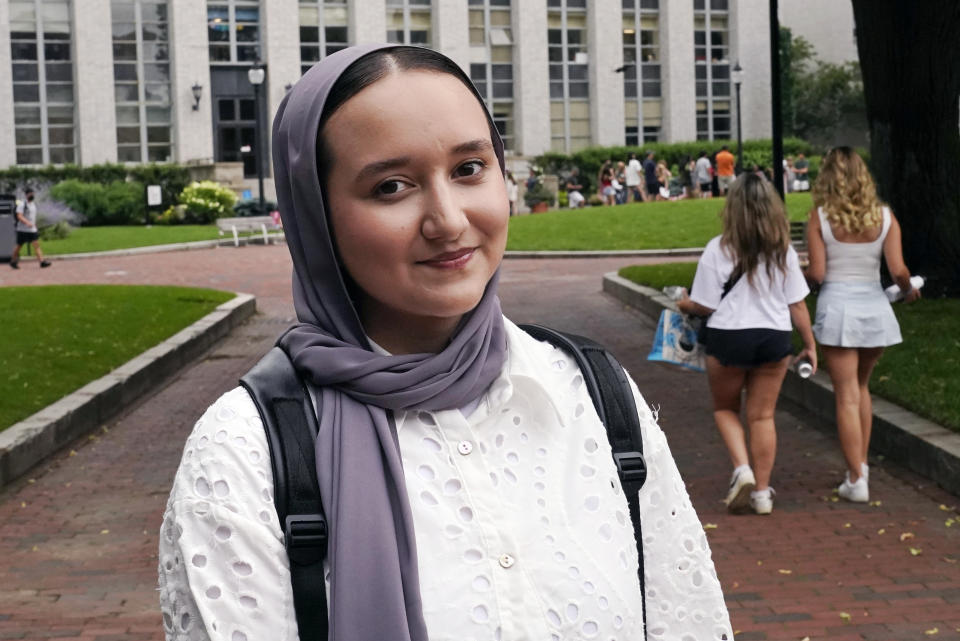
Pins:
<point x="736" y="74"/>
<point x="197" y="90"/>
<point x="256" y="74"/>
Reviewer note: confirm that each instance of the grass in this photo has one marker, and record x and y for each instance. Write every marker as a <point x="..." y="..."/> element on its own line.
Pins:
<point x="919" y="374"/>
<point x="656" y="225"/>
<point x="58" y="338"/>
<point x="93" y="239"/>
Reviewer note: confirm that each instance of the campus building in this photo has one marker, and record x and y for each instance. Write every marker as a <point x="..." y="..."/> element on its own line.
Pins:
<point x="91" y="81"/>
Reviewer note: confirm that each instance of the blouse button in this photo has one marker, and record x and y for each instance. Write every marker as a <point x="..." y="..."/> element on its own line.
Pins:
<point x="465" y="447"/>
<point x="507" y="561"/>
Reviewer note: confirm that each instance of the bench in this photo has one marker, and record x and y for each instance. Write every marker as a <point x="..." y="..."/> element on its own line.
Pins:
<point x="798" y="238"/>
<point x="247" y="223"/>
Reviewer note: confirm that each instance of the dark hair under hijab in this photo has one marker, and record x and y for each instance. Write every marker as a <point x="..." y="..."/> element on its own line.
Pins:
<point x="368" y="70"/>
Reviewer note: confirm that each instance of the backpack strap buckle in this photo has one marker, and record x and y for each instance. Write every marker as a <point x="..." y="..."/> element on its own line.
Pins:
<point x="306" y="532"/>
<point x="631" y="468"/>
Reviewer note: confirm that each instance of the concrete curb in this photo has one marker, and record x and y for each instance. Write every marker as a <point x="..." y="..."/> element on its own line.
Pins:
<point x="684" y="251"/>
<point x="923" y="446"/>
<point x="28" y="442"/>
<point x="172" y="247"/>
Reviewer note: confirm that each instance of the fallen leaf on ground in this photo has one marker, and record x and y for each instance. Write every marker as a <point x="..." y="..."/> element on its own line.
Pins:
<point x="931" y="631"/>
<point x="881" y="531"/>
<point x="782" y="571"/>
<point x="846" y="525"/>
<point x="876" y="503"/>
<point x="845" y="616"/>
<point x="709" y="526"/>
<point x="950" y="522"/>
<point x="906" y="535"/>
<point x="915" y="551"/>
<point x="945" y="508"/>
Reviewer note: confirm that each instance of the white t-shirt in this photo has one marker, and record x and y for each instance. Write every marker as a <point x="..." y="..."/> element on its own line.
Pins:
<point x="28" y="210"/>
<point x="702" y="170"/>
<point x="633" y="172"/>
<point x="762" y="304"/>
<point x="527" y="473"/>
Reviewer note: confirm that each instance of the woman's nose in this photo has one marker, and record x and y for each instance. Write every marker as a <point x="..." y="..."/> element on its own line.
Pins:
<point x="443" y="216"/>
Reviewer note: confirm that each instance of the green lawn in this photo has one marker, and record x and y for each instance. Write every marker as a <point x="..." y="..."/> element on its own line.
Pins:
<point x="656" y="225"/>
<point x="919" y="374"/>
<point x="58" y="338"/>
<point x="93" y="239"/>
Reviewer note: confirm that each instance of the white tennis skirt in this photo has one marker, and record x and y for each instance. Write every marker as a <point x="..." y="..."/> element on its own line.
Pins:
<point x="855" y="315"/>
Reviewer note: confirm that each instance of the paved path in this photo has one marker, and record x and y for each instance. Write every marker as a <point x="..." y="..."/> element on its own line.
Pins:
<point x="78" y="538"/>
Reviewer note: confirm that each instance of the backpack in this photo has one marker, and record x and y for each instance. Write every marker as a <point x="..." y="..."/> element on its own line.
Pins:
<point x="290" y="423"/>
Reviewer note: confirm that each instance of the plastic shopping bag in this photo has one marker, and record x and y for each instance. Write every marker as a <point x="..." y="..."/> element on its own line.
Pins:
<point x="676" y="342"/>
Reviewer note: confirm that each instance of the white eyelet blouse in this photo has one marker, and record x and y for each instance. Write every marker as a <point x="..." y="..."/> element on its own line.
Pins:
<point x="522" y="529"/>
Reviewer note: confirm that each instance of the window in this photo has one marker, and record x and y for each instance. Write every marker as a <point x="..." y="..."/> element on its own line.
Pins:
<point x="42" y="67"/>
<point x="641" y="73"/>
<point x="233" y="31"/>
<point x="141" y="77"/>
<point x="569" y="75"/>
<point x="711" y="45"/>
<point x="491" y="37"/>
<point x="323" y="30"/>
<point x="408" y="22"/>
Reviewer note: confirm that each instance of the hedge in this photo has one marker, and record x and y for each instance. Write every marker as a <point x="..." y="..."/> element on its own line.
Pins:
<point x="117" y="202"/>
<point x="590" y="160"/>
<point x="172" y="178"/>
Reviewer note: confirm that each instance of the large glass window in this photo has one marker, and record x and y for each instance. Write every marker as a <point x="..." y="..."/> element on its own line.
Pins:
<point x="711" y="42"/>
<point x="42" y="66"/>
<point x="408" y="22"/>
<point x="141" y="77"/>
<point x="491" y="40"/>
<point x="233" y="31"/>
<point x="323" y="30"/>
<point x="641" y="70"/>
<point x="569" y="76"/>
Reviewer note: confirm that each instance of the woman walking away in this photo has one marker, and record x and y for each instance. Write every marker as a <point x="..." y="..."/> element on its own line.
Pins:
<point x="749" y="282"/>
<point x="468" y="483"/>
<point x="848" y="231"/>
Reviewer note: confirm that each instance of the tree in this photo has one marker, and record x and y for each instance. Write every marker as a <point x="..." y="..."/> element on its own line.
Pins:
<point x="817" y="98"/>
<point x="911" y="79"/>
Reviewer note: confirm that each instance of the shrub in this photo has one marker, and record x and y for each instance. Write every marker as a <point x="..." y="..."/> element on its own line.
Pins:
<point x="115" y="203"/>
<point x="174" y="215"/>
<point x="206" y="201"/>
<point x="172" y="178"/>
<point x="56" y="231"/>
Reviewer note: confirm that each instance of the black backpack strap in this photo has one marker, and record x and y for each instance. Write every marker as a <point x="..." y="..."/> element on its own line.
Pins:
<point x="612" y="397"/>
<point x="291" y="426"/>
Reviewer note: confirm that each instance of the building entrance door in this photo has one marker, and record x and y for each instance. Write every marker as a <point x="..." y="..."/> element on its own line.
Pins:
<point x="236" y="132"/>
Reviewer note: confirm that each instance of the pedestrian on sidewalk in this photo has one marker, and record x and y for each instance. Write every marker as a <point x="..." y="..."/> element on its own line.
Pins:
<point x="749" y="283"/>
<point x="467" y="479"/>
<point x="849" y="230"/>
<point x="27" y="231"/>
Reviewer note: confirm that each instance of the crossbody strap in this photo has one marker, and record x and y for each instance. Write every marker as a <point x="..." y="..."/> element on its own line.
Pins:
<point x="290" y="423"/>
<point x="613" y="399"/>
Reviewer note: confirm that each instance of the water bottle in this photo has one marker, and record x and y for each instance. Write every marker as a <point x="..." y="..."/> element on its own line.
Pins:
<point x="673" y="292"/>
<point x="804" y="368"/>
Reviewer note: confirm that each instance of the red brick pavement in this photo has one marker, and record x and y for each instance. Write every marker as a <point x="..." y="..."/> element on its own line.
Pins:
<point x="78" y="538"/>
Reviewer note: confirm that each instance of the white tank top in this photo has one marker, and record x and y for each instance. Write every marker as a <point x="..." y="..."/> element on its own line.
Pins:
<point x="853" y="262"/>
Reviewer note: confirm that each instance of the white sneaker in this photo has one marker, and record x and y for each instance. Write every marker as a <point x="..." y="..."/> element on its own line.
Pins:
<point x="762" y="502"/>
<point x="741" y="484"/>
<point x="858" y="492"/>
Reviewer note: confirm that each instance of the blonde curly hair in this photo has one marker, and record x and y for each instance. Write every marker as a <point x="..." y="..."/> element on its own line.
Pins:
<point x="845" y="190"/>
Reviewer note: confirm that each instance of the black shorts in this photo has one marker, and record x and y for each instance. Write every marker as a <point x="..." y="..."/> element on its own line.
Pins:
<point x="748" y="347"/>
<point x="706" y="186"/>
<point x="24" y="237"/>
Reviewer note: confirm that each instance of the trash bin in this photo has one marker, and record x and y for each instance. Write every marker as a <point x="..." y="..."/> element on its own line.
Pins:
<point x="8" y="221"/>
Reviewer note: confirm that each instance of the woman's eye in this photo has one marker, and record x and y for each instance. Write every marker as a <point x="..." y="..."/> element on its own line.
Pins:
<point x="471" y="168"/>
<point x="390" y="187"/>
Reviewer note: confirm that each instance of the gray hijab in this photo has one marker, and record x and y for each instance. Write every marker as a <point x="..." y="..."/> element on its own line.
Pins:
<point x="375" y="586"/>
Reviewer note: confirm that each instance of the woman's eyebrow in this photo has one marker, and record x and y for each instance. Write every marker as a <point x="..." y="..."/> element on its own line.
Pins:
<point x="473" y="146"/>
<point x="380" y="166"/>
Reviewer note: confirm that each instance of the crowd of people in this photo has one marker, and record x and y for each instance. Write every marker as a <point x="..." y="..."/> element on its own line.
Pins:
<point x="750" y="285"/>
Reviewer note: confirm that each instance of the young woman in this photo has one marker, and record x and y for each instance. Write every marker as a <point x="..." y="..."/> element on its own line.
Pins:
<point x="467" y="479"/>
<point x="608" y="194"/>
<point x="848" y="232"/>
<point x="749" y="282"/>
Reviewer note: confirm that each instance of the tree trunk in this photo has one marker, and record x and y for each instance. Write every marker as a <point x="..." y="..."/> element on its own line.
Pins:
<point x="909" y="52"/>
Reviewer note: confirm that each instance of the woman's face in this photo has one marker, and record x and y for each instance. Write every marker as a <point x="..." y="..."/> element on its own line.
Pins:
<point x="417" y="201"/>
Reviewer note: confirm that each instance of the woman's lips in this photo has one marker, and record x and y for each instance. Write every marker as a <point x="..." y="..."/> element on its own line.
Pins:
<point x="450" y="260"/>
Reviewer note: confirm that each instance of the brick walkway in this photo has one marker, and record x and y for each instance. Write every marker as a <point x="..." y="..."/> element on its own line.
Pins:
<point x="78" y="538"/>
